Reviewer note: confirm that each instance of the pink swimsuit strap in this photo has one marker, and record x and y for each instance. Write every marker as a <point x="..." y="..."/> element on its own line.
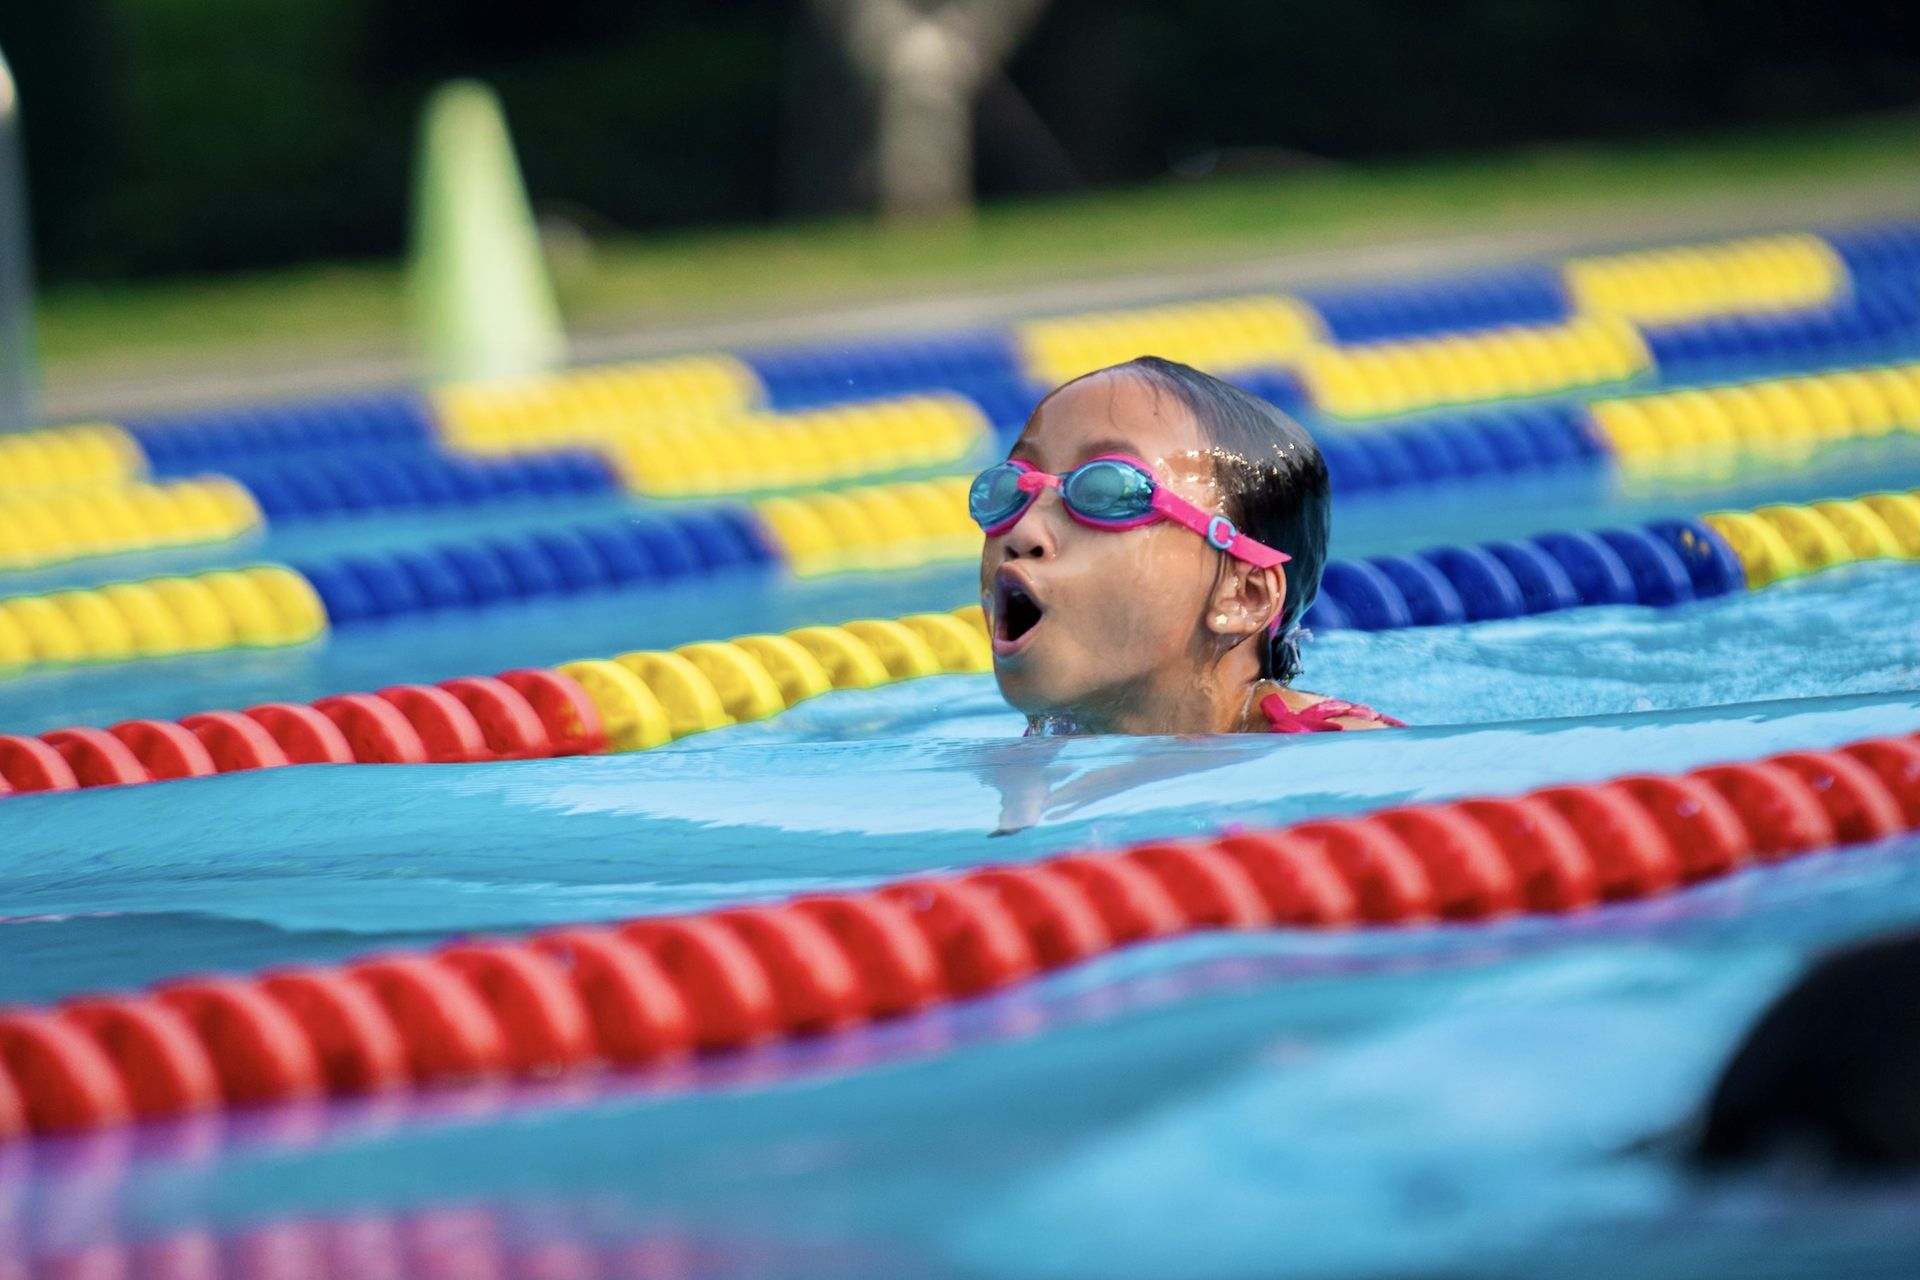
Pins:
<point x="1318" y="718"/>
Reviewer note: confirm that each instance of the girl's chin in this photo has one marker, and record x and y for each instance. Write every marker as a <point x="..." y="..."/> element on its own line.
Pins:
<point x="1033" y="688"/>
<point x="1025" y="689"/>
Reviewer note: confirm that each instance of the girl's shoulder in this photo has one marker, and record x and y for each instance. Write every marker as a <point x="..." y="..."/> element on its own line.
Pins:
<point x="1293" y="711"/>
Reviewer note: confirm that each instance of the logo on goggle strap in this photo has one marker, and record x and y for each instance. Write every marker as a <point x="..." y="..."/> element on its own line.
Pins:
<point x="1221" y="533"/>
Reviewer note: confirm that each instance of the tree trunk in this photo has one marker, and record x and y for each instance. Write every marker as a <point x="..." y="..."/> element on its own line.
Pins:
<point x="925" y="62"/>
<point x="923" y="130"/>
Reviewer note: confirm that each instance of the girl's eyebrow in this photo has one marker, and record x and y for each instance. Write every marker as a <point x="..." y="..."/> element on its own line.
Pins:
<point x="1026" y="453"/>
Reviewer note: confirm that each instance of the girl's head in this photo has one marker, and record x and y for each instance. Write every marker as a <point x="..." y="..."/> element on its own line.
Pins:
<point x="1145" y="627"/>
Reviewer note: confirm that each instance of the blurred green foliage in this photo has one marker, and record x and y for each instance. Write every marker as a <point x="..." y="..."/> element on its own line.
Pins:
<point x="1134" y="83"/>
<point x="174" y="136"/>
<point x="668" y="280"/>
<point x="204" y="135"/>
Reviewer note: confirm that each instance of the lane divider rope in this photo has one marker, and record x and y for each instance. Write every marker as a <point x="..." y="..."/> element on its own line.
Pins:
<point x="40" y="529"/>
<point x="1787" y="416"/>
<point x="1713" y="301"/>
<point x="652" y="989"/>
<point x="644" y="699"/>
<point x="1225" y="333"/>
<point x="375" y="453"/>
<point x="628" y="702"/>
<point x="1687" y="282"/>
<point x="77" y="456"/>
<point x="1663" y="563"/>
<point x="807" y="448"/>
<point x="1382" y="379"/>
<point x="258" y="607"/>
<point x="592" y="402"/>
<point x="1781" y="418"/>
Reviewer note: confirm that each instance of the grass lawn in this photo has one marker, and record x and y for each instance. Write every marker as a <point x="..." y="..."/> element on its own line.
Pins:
<point x="706" y="274"/>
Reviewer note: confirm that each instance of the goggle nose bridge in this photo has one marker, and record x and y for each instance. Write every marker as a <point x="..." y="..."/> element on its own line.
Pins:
<point x="1031" y="481"/>
<point x="1035" y="481"/>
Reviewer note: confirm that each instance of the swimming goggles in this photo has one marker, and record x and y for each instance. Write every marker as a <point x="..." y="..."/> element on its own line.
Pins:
<point x="1112" y="491"/>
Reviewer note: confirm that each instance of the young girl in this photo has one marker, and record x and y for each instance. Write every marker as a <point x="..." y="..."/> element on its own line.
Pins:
<point x="1151" y="543"/>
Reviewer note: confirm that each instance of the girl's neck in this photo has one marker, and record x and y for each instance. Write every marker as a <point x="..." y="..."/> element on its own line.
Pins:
<point x="1218" y="700"/>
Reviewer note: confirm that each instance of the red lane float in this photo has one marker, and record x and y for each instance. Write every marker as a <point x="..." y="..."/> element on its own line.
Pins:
<point x="28" y="764"/>
<point x="506" y="720"/>
<point x="303" y="734"/>
<point x="517" y="715"/>
<point x="378" y="730"/>
<point x="236" y="741"/>
<point x="569" y="716"/>
<point x="653" y="989"/>
<point x="165" y="749"/>
<point x="97" y="758"/>
<point x="162" y="1064"/>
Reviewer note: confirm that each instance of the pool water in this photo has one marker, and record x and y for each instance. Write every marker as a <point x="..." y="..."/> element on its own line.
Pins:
<point x="1486" y="1100"/>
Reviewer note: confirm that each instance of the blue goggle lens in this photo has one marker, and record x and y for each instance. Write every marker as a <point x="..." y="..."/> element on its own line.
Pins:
<point x="995" y="495"/>
<point x="1108" y="490"/>
<point x="1104" y="491"/>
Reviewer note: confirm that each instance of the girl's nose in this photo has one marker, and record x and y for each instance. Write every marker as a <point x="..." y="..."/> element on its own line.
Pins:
<point x="1031" y="536"/>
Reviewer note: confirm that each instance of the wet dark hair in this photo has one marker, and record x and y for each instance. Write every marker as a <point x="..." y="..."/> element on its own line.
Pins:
<point x="1275" y="482"/>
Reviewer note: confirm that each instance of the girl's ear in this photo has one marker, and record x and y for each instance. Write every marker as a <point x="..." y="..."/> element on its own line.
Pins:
<point x="1247" y="601"/>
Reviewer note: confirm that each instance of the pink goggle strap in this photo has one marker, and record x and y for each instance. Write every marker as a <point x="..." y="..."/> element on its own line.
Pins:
<point x="1217" y="530"/>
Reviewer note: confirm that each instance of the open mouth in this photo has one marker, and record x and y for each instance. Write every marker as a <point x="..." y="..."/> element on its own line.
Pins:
<point x="1016" y="614"/>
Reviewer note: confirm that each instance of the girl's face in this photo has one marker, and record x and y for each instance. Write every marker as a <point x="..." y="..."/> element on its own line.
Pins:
<point x="1086" y="620"/>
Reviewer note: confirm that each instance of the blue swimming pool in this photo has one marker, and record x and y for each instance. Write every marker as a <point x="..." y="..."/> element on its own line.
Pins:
<point x="1487" y="1099"/>
<point x="1468" y="1098"/>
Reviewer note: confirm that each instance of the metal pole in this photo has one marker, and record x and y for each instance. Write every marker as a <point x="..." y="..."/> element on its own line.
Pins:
<point x="18" y="382"/>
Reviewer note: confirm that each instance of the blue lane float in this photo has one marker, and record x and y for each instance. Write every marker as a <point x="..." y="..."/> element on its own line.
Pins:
<point x="539" y="564"/>
<point x="1531" y="295"/>
<point x="1666" y="562"/>
<point x="401" y="480"/>
<point x="216" y="439"/>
